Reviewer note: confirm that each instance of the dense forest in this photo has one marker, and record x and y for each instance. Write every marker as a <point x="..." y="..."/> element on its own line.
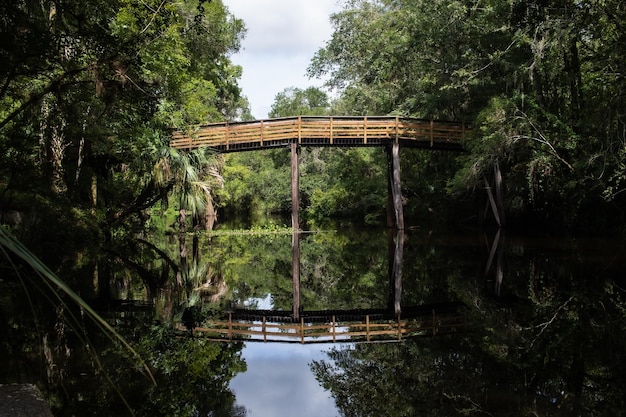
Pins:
<point x="90" y="92"/>
<point x="541" y="82"/>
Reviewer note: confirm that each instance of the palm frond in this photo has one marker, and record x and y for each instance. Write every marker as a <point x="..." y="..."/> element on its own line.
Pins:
<point x="10" y="245"/>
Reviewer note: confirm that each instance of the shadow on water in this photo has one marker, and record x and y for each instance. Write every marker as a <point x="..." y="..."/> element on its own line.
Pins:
<point x="542" y="333"/>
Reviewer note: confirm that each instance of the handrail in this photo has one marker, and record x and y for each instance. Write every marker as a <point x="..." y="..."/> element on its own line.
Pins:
<point x="322" y="131"/>
<point x="333" y="331"/>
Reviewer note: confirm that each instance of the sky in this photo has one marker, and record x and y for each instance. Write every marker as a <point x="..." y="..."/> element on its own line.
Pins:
<point x="279" y="381"/>
<point x="282" y="37"/>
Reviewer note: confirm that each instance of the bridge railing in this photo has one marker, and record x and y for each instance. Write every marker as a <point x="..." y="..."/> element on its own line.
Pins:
<point x="332" y="331"/>
<point x="328" y="130"/>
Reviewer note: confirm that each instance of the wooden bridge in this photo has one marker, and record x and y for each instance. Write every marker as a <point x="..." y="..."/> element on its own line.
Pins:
<point x="324" y="131"/>
<point x="335" y="327"/>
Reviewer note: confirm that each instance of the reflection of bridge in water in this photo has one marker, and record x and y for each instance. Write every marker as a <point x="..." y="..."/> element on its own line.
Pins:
<point x="335" y="326"/>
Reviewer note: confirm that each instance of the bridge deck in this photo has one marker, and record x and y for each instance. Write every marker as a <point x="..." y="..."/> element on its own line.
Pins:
<point x="324" y="131"/>
<point x="332" y="327"/>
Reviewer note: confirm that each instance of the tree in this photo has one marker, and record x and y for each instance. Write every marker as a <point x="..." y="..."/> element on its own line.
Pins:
<point x="294" y="101"/>
<point x="531" y="77"/>
<point x="88" y="91"/>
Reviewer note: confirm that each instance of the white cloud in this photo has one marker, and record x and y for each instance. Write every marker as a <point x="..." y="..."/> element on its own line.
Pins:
<point x="279" y="382"/>
<point x="282" y="37"/>
<point x="283" y="26"/>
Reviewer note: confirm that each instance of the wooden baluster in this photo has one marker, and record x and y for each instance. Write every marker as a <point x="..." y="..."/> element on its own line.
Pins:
<point x="331" y="130"/>
<point x="432" y="125"/>
<point x="365" y="130"/>
<point x="397" y="126"/>
<point x="264" y="330"/>
<point x="230" y="326"/>
<point x="261" y="133"/>
<point x="299" y="129"/>
<point x="367" y="327"/>
<point x="227" y="137"/>
<point x="399" y="328"/>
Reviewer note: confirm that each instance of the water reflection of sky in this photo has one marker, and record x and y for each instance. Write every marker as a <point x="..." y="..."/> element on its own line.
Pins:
<point x="279" y="382"/>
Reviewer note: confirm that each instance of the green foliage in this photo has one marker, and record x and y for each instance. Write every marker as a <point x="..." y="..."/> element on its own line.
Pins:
<point x="544" y="342"/>
<point x="193" y="375"/>
<point x="90" y="94"/>
<point x="297" y="102"/>
<point x="537" y="80"/>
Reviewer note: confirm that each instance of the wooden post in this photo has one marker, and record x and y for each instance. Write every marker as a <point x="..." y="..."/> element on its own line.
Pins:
<point x="399" y="328"/>
<point x="331" y="130"/>
<point x="397" y="271"/>
<point x="396" y="186"/>
<point x="397" y="123"/>
<point x="391" y="251"/>
<point x="302" y="330"/>
<point x="299" y="129"/>
<point x="334" y="329"/>
<point x="432" y="125"/>
<point x="261" y="133"/>
<point x="264" y="330"/>
<point x="365" y="130"/>
<point x="367" y="327"/>
<point x="295" y="225"/>
<point x="227" y="137"/>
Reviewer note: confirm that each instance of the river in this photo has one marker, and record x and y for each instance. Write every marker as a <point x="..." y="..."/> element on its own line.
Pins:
<point x="542" y="333"/>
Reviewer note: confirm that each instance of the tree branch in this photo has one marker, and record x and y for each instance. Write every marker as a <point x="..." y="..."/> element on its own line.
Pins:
<point x="34" y="98"/>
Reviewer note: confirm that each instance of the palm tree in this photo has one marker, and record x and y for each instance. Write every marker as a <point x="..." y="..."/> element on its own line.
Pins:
<point x="189" y="176"/>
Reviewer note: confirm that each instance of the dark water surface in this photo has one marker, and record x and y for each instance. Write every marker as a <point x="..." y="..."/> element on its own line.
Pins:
<point x="544" y="318"/>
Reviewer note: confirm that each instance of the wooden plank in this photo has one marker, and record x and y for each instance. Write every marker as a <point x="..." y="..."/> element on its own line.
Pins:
<point x="327" y="129"/>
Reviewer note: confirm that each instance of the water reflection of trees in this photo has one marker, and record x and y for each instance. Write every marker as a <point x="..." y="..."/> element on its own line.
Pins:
<point x="551" y="344"/>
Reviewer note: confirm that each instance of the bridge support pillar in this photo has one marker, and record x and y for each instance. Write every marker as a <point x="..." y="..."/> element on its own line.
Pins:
<point x="295" y="226"/>
<point x="396" y="250"/>
<point x="395" y="187"/>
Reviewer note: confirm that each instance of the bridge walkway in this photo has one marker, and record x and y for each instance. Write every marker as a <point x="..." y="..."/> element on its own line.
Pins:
<point x="340" y="131"/>
<point x="372" y="326"/>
